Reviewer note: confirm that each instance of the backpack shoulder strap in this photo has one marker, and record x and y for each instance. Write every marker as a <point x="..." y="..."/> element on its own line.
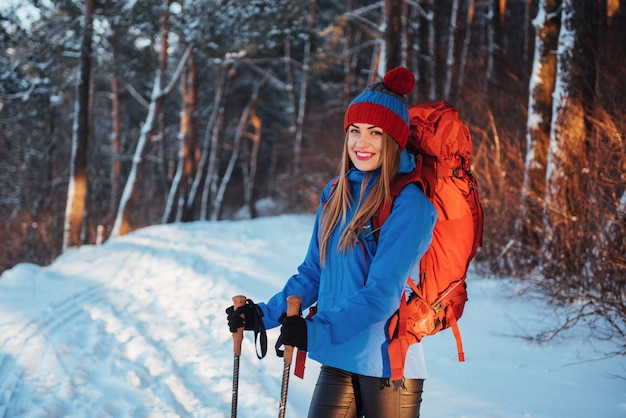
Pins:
<point x="399" y="182"/>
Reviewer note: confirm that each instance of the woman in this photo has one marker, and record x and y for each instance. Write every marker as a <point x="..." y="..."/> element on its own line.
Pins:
<point x="357" y="277"/>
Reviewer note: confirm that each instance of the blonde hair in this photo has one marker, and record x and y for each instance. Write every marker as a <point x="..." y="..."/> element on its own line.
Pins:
<point x="335" y="210"/>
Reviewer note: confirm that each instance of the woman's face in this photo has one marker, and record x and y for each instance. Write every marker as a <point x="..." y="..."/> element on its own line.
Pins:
<point x="365" y="146"/>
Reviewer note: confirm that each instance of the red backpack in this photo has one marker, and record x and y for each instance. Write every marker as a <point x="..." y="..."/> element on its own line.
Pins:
<point x="442" y="147"/>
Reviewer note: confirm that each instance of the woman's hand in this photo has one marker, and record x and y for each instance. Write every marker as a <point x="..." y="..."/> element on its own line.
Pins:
<point x="293" y="332"/>
<point x="243" y="316"/>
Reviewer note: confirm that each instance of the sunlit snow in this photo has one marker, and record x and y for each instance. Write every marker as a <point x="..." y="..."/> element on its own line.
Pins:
<point x="136" y="328"/>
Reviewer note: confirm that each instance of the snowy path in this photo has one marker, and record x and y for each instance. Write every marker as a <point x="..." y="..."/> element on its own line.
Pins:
<point x="146" y="329"/>
<point x="136" y="328"/>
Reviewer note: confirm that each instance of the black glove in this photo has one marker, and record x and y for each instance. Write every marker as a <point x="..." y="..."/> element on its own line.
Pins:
<point x="293" y="333"/>
<point x="236" y="321"/>
<point x="252" y="320"/>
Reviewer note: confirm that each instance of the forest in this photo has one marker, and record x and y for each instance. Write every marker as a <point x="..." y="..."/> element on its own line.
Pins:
<point x="120" y="114"/>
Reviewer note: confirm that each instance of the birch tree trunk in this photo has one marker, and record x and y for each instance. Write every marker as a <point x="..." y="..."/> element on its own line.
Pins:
<point x="186" y="166"/>
<point x="77" y="186"/>
<point x="451" y="49"/>
<point x="379" y="52"/>
<point x="204" y="152"/>
<point x="542" y="81"/>
<point x="158" y="127"/>
<point x="210" y="184"/>
<point x="122" y="223"/>
<point x="241" y="127"/>
<point x="567" y="157"/>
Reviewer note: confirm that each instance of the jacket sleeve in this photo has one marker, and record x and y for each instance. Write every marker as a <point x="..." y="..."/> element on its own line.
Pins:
<point x="404" y="238"/>
<point x="305" y="283"/>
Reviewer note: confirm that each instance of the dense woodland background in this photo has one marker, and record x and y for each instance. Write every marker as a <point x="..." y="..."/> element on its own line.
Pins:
<point x="115" y="115"/>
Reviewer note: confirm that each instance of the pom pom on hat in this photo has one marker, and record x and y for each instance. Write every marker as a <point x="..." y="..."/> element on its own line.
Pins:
<point x="383" y="104"/>
<point x="399" y="80"/>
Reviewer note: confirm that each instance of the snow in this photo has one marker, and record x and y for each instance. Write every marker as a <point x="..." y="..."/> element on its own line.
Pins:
<point x="26" y="13"/>
<point x="136" y="327"/>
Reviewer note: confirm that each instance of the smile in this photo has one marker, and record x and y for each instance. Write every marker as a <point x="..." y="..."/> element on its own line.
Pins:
<point x="363" y="155"/>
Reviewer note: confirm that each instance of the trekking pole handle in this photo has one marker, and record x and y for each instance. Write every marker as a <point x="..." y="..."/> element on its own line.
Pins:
<point x="238" y="301"/>
<point x="293" y="309"/>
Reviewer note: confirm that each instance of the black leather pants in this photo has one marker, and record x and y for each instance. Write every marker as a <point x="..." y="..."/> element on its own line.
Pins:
<point x="339" y="394"/>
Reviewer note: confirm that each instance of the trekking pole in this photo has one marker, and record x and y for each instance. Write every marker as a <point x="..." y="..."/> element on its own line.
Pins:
<point x="238" y="301"/>
<point x="293" y="309"/>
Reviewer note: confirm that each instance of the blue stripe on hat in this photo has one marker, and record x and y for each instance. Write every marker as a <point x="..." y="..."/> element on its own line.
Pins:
<point x="385" y="100"/>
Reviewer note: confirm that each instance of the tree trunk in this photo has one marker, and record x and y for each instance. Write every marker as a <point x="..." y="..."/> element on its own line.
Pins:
<point x="542" y="80"/>
<point x="157" y="131"/>
<point x="567" y="155"/>
<point x="122" y="223"/>
<point x="349" y="60"/>
<point x="252" y="162"/>
<point x="210" y="184"/>
<point x="392" y="34"/>
<point x="471" y="8"/>
<point x="526" y="26"/>
<point x="181" y="183"/>
<point x="193" y="159"/>
<point x="431" y="79"/>
<point x="122" y="220"/>
<point x="241" y="127"/>
<point x="491" y="45"/>
<point x="304" y="86"/>
<point x="77" y="187"/>
<point x="291" y="93"/>
<point x="204" y="154"/>
<point x="415" y="17"/>
<point x="451" y="50"/>
<point x="116" y="130"/>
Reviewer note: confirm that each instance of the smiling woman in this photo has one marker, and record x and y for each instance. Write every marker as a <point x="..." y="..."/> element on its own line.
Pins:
<point x="365" y="146"/>
<point x="355" y="277"/>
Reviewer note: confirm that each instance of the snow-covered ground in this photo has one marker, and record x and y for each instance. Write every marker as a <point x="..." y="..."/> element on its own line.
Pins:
<point x="136" y="328"/>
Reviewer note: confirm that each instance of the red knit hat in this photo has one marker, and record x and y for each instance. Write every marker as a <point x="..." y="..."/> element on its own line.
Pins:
<point x="383" y="104"/>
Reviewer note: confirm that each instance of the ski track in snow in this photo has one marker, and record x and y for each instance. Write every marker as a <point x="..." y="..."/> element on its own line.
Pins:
<point x="32" y="345"/>
<point x="126" y="327"/>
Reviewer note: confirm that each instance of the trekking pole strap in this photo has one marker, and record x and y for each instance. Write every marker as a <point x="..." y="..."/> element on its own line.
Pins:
<point x="260" y="334"/>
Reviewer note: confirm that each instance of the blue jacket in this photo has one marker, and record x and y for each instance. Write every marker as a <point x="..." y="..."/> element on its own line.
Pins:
<point x="358" y="291"/>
